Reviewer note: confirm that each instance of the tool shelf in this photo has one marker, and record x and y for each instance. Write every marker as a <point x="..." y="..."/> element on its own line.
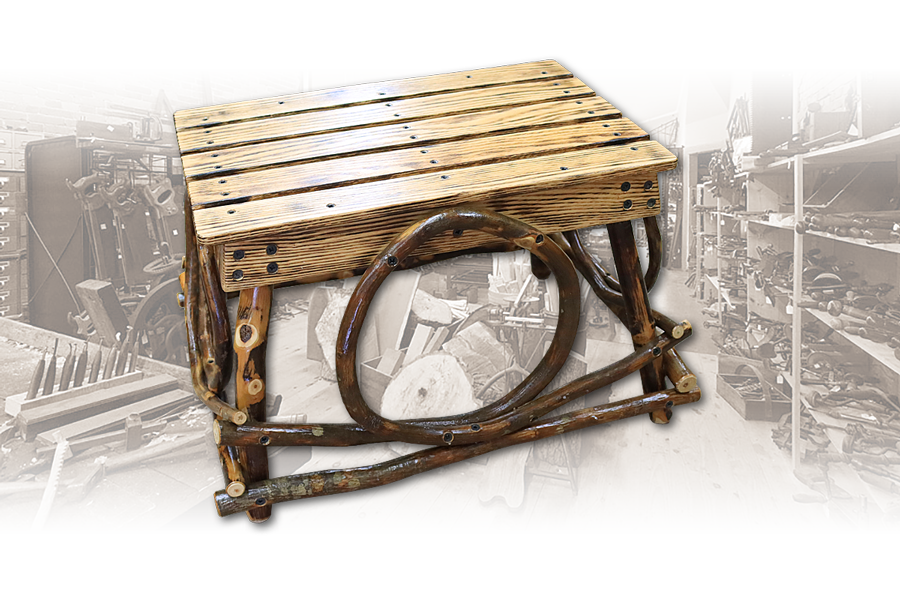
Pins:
<point x="873" y="258"/>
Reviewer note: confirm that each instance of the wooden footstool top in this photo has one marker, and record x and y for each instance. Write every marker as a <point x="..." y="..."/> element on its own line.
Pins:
<point x="312" y="186"/>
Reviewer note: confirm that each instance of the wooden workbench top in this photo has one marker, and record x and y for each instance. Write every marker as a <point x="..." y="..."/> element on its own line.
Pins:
<point x="351" y="167"/>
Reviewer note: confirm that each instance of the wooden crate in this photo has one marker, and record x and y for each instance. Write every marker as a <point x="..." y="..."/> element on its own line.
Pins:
<point x="372" y="383"/>
<point x="752" y="409"/>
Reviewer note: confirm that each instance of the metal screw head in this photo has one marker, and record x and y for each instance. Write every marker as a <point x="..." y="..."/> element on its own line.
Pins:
<point x="627" y="204"/>
<point x="445" y="177"/>
<point x="448" y="437"/>
<point x="651" y="202"/>
<point x="457" y="232"/>
<point x="670" y="404"/>
<point x="476" y="427"/>
<point x="260" y="501"/>
<point x="539" y="239"/>
<point x="272" y="268"/>
<point x="271" y="249"/>
<point x="626" y="186"/>
<point x="657" y="351"/>
<point x="238" y="255"/>
<point x="237" y="275"/>
<point x="648" y="185"/>
<point x="264" y="440"/>
<point x="392" y="261"/>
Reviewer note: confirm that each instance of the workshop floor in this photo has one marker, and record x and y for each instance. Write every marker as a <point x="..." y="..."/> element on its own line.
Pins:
<point x="708" y="469"/>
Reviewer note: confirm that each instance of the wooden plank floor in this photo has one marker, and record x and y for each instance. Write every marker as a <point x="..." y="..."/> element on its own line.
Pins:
<point x="708" y="471"/>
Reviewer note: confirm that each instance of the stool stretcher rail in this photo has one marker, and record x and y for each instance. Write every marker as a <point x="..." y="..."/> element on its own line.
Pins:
<point x="511" y="420"/>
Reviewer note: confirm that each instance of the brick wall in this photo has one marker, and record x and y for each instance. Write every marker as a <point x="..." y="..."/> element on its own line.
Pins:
<point x="825" y="86"/>
<point x="49" y="101"/>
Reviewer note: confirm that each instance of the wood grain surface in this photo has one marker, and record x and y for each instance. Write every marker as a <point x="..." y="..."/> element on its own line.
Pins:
<point x="387" y="165"/>
<point x="397" y="111"/>
<point x="368" y="93"/>
<point x="312" y="186"/>
<point x="266" y="155"/>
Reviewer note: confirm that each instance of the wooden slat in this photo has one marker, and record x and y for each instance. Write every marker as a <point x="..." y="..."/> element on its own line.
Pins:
<point x="227" y="161"/>
<point x="410" y="161"/>
<point x="368" y="93"/>
<point x="403" y="111"/>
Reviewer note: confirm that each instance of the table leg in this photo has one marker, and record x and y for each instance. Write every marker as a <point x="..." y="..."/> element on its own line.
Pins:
<point x="637" y="307"/>
<point x="250" y="340"/>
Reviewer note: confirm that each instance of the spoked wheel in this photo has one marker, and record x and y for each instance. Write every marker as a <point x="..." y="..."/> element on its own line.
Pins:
<point x="159" y="322"/>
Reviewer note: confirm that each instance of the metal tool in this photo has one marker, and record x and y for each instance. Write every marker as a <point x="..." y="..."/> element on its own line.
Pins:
<point x="80" y="367"/>
<point x="50" y="377"/>
<point x="95" y="364"/>
<point x="35" y="385"/>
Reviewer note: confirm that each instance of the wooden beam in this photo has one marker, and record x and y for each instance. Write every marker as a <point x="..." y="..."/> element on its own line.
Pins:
<point x="18" y="403"/>
<point x="43" y="418"/>
<point x="114" y="420"/>
<point x="103" y="306"/>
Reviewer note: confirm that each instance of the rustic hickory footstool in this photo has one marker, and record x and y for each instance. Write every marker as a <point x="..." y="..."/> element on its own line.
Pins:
<point x="369" y="179"/>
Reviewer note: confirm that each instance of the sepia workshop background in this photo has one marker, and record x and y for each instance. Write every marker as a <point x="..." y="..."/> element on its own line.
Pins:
<point x="100" y="426"/>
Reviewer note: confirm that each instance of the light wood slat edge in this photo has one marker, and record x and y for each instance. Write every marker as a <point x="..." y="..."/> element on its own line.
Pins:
<point x="367" y="93"/>
<point x="350" y="205"/>
<point x="341" y="144"/>
<point x="303" y="255"/>
<point x="443" y="157"/>
<point x="361" y="117"/>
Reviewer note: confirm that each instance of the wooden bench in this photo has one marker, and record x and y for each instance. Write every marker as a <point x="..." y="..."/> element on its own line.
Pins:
<point x="359" y="164"/>
<point x="372" y="178"/>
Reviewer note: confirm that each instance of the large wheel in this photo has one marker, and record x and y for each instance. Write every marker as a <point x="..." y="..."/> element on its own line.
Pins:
<point x="159" y="323"/>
